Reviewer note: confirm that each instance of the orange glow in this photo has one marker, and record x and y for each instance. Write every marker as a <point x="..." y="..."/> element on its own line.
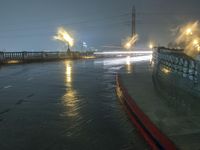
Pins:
<point x="166" y="70"/>
<point x="88" y="57"/>
<point x="13" y="62"/>
<point x="188" y="38"/>
<point x="188" y="31"/>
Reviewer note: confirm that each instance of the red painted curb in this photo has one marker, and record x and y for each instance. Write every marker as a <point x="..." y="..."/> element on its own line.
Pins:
<point x="154" y="137"/>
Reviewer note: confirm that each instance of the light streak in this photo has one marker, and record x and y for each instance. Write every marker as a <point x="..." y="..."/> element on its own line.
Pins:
<point x="123" y="52"/>
<point x="13" y="61"/>
<point x="123" y="61"/>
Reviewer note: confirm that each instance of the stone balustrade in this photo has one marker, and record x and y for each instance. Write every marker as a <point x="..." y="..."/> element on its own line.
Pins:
<point x="170" y="64"/>
<point x="6" y="57"/>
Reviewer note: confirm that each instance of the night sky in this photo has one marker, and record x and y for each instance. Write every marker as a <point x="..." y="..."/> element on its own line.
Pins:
<point x="30" y="24"/>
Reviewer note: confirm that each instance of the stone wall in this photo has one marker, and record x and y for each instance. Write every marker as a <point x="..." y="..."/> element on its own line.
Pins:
<point x="174" y="70"/>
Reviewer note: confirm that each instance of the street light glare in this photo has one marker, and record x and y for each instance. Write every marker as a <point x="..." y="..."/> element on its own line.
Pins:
<point x="195" y="42"/>
<point x="64" y="36"/>
<point x="131" y="42"/>
<point x="188" y="38"/>
<point x="151" y="45"/>
<point x="128" y="45"/>
<point x="189" y="31"/>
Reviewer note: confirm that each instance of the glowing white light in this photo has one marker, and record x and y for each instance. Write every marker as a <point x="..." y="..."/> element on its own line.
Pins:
<point x="128" y="45"/>
<point x="128" y="60"/>
<point x="123" y="61"/>
<point x="151" y="45"/>
<point x="123" y="52"/>
<point x="84" y="44"/>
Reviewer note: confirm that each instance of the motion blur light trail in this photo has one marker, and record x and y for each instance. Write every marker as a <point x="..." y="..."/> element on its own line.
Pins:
<point x="125" y="60"/>
<point x="64" y="36"/>
<point x="123" y="52"/>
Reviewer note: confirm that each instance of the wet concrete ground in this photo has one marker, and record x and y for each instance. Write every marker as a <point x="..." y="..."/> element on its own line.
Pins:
<point x="178" y="118"/>
<point x="64" y="106"/>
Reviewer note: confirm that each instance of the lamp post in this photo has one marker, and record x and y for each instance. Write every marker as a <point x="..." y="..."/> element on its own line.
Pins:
<point x="63" y="35"/>
<point x="68" y="48"/>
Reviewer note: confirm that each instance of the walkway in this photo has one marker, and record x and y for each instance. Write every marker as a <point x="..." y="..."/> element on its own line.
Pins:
<point x="177" y="119"/>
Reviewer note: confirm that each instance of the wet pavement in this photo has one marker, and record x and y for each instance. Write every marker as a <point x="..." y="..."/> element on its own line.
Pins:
<point x="177" y="117"/>
<point x="64" y="106"/>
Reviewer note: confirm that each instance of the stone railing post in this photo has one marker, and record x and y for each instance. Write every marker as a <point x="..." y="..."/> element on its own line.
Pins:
<point x="197" y="74"/>
<point x="1" y="57"/>
<point x="22" y="56"/>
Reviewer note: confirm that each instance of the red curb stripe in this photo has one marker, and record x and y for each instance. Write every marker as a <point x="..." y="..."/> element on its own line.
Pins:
<point x="154" y="137"/>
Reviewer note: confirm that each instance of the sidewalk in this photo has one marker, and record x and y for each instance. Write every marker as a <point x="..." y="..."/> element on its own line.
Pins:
<point x="180" y="124"/>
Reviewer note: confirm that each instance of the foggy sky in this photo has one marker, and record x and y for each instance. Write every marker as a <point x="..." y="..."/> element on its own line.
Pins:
<point x="30" y="24"/>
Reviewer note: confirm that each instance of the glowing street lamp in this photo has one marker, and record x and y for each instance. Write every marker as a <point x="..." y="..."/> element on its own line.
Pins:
<point x="189" y="31"/>
<point x="64" y="36"/>
<point x="128" y="45"/>
<point x="151" y="45"/>
<point x="196" y="44"/>
<point x="131" y="42"/>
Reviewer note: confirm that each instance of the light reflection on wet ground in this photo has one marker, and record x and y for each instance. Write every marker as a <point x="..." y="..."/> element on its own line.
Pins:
<point x="64" y="105"/>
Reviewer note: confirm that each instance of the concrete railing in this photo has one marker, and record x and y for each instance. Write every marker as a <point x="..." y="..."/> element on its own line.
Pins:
<point x="9" y="57"/>
<point x="176" y="68"/>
